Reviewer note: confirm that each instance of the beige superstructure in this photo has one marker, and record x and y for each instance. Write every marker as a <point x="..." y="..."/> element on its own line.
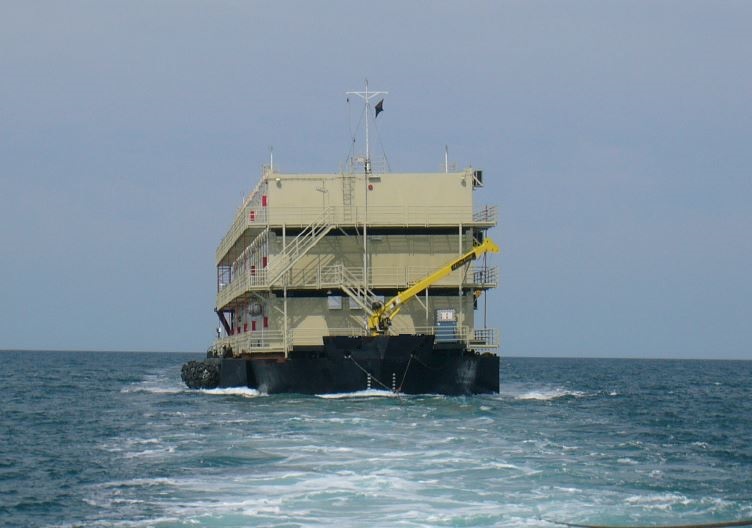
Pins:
<point x="291" y="268"/>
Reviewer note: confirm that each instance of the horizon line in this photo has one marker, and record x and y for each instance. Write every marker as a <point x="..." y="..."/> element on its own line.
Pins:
<point x="114" y="351"/>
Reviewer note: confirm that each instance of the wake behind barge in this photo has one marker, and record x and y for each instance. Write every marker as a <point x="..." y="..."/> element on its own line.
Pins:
<point x="362" y="279"/>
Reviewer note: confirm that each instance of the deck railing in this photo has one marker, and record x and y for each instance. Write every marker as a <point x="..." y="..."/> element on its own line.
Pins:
<point x="385" y="215"/>
<point x="273" y="341"/>
<point x="389" y="276"/>
<point x="337" y="276"/>
<point x="254" y="215"/>
<point x="254" y="342"/>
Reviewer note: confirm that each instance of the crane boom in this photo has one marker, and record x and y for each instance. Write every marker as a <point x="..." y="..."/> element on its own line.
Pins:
<point x="381" y="318"/>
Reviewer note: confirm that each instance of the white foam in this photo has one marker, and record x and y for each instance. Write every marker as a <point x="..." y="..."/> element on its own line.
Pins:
<point x="549" y="394"/>
<point x="145" y="523"/>
<point x="150" y="452"/>
<point x="370" y="393"/>
<point x="256" y="512"/>
<point x="568" y="490"/>
<point x="153" y="389"/>
<point x="532" y="391"/>
<point x="523" y="471"/>
<point x="141" y="482"/>
<point x="245" y="392"/>
<point x="156" y="382"/>
<point x="661" y="501"/>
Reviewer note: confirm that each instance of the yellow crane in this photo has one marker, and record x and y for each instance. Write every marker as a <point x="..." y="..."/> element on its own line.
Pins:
<point x="381" y="318"/>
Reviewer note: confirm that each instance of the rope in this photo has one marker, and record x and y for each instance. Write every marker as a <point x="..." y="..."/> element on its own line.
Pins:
<point x="405" y="374"/>
<point x="743" y="522"/>
<point x="374" y="378"/>
<point x="353" y="135"/>
<point x="383" y="151"/>
<point x="377" y="380"/>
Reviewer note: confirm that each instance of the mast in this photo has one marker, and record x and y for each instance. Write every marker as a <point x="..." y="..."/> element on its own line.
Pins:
<point x="366" y="96"/>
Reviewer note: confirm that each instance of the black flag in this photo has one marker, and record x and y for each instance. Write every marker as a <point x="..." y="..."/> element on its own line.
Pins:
<point x="379" y="107"/>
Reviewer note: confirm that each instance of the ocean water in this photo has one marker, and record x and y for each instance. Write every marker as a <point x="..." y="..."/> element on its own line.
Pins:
<point x="114" y="439"/>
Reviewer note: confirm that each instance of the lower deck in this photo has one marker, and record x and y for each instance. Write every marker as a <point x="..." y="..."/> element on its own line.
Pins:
<point x="410" y="364"/>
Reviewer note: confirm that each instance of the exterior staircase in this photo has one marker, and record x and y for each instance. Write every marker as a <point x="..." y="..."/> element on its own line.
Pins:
<point x="355" y="289"/>
<point x="300" y="245"/>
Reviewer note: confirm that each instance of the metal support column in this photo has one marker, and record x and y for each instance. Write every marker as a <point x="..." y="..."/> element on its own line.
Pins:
<point x="461" y="318"/>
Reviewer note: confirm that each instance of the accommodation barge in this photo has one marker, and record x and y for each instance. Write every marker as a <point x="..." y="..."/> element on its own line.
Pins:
<point x="355" y="280"/>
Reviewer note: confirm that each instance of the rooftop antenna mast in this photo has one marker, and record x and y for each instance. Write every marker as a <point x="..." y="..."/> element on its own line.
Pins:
<point x="367" y="96"/>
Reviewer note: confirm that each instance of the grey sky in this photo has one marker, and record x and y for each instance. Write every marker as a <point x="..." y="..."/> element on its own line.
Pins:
<point x="614" y="136"/>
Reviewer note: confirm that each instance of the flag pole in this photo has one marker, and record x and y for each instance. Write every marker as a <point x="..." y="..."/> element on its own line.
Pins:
<point x="366" y="96"/>
<point x="368" y="150"/>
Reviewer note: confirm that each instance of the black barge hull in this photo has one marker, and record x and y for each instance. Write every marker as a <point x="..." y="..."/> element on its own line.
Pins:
<point x="410" y="364"/>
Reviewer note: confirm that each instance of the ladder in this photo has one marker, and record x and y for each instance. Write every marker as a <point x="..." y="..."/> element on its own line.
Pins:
<point x="348" y="185"/>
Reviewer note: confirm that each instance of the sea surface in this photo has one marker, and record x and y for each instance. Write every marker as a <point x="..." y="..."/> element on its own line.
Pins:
<point x="114" y="439"/>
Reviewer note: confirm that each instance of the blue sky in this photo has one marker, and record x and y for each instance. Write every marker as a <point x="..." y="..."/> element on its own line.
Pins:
<point x="614" y="137"/>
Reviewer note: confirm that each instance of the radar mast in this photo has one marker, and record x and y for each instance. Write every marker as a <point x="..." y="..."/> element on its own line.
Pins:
<point x="367" y="96"/>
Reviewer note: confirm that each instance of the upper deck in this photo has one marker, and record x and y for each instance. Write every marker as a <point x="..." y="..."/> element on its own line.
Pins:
<point x="443" y="199"/>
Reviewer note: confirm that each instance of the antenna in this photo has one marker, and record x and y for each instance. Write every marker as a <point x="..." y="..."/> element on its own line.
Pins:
<point x="367" y="96"/>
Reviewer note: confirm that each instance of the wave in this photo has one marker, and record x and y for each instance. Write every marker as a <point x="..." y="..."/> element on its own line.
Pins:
<point x="370" y="393"/>
<point x="659" y="501"/>
<point x="150" y="453"/>
<point x="245" y="392"/>
<point x="548" y="394"/>
<point x="162" y="385"/>
<point x="153" y="389"/>
<point x="156" y="383"/>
